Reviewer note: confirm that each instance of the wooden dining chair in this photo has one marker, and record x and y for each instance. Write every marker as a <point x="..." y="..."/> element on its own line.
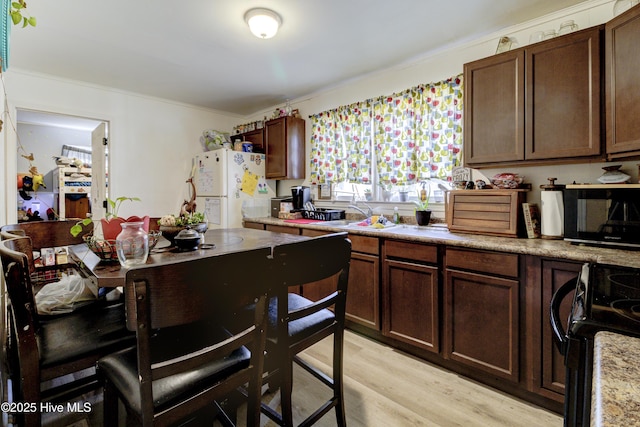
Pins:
<point x="46" y="351"/>
<point x="195" y="343"/>
<point x="297" y="323"/>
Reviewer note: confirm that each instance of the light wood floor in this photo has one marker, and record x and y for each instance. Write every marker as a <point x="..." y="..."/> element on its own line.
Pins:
<point x="388" y="388"/>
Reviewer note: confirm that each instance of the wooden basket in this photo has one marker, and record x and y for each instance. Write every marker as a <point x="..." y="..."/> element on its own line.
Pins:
<point x="493" y="212"/>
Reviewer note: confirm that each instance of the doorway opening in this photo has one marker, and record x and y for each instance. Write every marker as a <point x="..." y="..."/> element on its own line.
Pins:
<point x="70" y="155"/>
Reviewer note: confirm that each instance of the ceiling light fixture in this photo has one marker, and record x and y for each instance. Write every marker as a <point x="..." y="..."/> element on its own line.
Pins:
<point x="263" y="23"/>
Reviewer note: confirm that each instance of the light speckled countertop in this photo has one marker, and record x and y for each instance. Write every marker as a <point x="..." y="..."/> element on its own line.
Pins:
<point x="616" y="380"/>
<point x="440" y="235"/>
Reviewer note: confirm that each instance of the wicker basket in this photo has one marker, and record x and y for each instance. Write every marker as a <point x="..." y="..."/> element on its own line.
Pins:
<point x="106" y="249"/>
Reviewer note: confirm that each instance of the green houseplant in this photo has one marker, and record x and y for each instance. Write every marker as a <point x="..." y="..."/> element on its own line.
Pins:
<point x="171" y="225"/>
<point x="422" y="212"/>
<point x="112" y="223"/>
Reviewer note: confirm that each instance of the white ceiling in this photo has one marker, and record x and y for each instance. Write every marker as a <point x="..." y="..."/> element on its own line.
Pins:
<point x="201" y="52"/>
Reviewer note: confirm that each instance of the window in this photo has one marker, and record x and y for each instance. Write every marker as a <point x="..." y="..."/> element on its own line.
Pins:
<point x="388" y="148"/>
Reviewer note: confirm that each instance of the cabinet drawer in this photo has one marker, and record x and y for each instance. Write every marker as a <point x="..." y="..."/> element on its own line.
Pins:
<point x="282" y="229"/>
<point x="413" y="251"/>
<point x="364" y="244"/>
<point x="494" y="263"/>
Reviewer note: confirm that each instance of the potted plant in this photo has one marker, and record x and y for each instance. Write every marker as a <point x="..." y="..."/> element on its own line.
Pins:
<point x="423" y="213"/>
<point x="112" y="224"/>
<point x="171" y="225"/>
<point x="368" y="195"/>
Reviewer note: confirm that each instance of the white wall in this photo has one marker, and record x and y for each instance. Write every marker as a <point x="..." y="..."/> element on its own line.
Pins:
<point x="449" y="62"/>
<point x="151" y="140"/>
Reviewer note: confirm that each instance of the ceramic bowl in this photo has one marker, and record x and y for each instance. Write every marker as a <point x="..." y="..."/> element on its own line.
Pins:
<point x="188" y="239"/>
<point x="170" y="232"/>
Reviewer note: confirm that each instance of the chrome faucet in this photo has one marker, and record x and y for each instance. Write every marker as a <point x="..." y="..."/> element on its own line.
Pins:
<point x="367" y="214"/>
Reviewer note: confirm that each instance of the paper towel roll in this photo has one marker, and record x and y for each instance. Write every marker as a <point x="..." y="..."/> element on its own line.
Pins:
<point x="552" y="214"/>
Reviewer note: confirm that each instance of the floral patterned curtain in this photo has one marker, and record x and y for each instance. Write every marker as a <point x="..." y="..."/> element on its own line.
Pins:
<point x="341" y="145"/>
<point x="397" y="128"/>
<point x="417" y="134"/>
<point x="441" y="111"/>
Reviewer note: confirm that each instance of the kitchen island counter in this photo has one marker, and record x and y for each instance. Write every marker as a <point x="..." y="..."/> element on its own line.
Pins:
<point x="616" y="388"/>
<point x="439" y="234"/>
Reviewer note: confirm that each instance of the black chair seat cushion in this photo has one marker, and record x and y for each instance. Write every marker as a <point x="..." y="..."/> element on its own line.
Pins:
<point x="100" y="330"/>
<point x="122" y="367"/>
<point x="306" y="325"/>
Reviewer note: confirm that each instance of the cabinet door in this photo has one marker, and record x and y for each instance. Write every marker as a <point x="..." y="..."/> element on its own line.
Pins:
<point x="494" y="108"/>
<point x="554" y="275"/>
<point x="622" y="62"/>
<point x="481" y="322"/>
<point x="285" y="148"/>
<point x="363" y="298"/>
<point x="276" y="148"/>
<point x="411" y="304"/>
<point x="563" y="111"/>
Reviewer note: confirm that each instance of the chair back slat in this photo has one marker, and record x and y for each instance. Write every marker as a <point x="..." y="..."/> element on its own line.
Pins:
<point x="311" y="260"/>
<point x="197" y="285"/>
<point x="48" y="234"/>
<point x="23" y="245"/>
<point x="200" y="294"/>
<point x="304" y="263"/>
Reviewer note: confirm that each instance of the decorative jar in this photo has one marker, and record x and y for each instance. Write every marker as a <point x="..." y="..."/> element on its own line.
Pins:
<point x="132" y="244"/>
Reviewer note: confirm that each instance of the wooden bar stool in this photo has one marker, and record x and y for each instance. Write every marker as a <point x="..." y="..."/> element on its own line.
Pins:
<point x="297" y="323"/>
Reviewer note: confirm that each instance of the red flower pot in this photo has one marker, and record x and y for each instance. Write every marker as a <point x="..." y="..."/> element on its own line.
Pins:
<point x="112" y="227"/>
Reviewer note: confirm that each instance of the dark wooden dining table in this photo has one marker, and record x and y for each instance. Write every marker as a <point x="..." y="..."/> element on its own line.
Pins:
<point x="216" y="242"/>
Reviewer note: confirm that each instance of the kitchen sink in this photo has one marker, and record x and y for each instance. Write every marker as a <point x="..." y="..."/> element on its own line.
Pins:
<point x="352" y="224"/>
<point x="337" y="222"/>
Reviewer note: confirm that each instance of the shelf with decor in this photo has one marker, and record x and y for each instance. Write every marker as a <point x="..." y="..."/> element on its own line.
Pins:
<point x="72" y="186"/>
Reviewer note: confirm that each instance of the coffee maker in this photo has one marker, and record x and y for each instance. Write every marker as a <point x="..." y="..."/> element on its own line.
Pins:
<point x="300" y="195"/>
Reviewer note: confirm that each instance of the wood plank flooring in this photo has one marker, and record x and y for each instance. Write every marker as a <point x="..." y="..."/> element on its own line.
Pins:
<point x="387" y="388"/>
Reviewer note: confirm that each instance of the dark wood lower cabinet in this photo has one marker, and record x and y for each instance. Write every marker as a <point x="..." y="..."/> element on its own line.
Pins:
<point x="482" y="312"/>
<point x="411" y="294"/>
<point x="363" y="296"/>
<point x="481" y="322"/>
<point x="544" y="277"/>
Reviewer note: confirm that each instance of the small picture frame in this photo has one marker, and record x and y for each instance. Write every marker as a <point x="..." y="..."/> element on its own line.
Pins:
<point x="324" y="191"/>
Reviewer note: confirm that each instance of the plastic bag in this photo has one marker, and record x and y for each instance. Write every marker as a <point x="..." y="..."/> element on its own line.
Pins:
<point x="62" y="296"/>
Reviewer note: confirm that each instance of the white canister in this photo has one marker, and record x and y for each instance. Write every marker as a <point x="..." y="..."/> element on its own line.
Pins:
<point x="552" y="210"/>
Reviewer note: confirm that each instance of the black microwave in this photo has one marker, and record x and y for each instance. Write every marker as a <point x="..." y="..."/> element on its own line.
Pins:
<point x="603" y="214"/>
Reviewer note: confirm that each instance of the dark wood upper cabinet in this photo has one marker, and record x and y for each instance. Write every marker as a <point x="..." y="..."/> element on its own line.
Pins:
<point x="285" y="148"/>
<point x="540" y="103"/>
<point x="494" y="109"/>
<point x="256" y="137"/>
<point x="622" y="62"/>
<point x="563" y="113"/>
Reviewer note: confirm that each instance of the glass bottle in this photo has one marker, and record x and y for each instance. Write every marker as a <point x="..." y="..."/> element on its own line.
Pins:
<point x="132" y="244"/>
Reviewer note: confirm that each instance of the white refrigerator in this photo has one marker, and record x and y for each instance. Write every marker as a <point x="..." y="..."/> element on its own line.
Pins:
<point x="231" y="185"/>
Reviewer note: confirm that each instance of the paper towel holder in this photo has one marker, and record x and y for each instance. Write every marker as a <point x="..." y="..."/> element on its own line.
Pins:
<point x="552" y="211"/>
